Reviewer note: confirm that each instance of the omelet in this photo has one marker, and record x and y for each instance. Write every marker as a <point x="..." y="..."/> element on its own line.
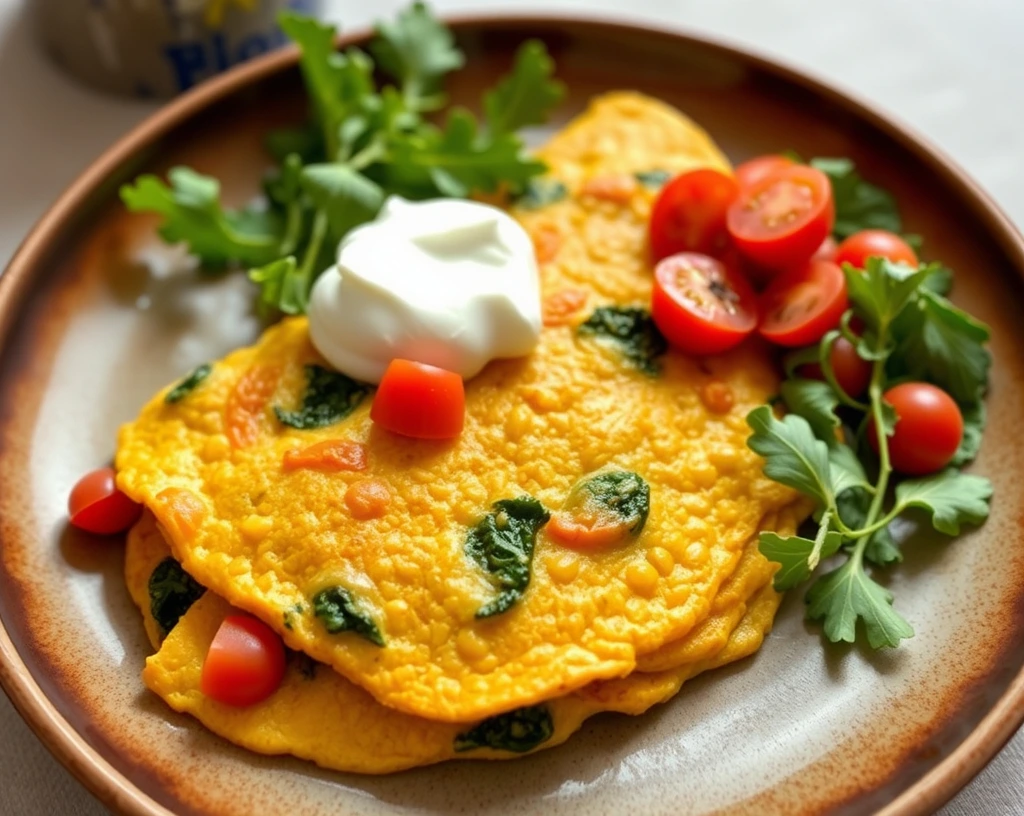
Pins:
<point x="318" y="715"/>
<point x="423" y="571"/>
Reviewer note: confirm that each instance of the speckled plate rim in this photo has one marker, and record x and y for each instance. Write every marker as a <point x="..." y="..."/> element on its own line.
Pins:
<point x="114" y="789"/>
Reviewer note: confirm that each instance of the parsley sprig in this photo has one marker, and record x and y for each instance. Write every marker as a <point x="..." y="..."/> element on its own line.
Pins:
<point x="363" y="142"/>
<point x="909" y="332"/>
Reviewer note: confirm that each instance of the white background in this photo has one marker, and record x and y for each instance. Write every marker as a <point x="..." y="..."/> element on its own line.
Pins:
<point x="951" y="68"/>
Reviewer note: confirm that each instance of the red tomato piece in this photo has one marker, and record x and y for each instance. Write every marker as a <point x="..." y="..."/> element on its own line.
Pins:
<point x="419" y="400"/>
<point x="97" y="506"/>
<point x="801" y="305"/>
<point x="689" y="214"/>
<point x="701" y="305"/>
<point x="245" y="663"/>
<point x="865" y="244"/>
<point x="585" y="533"/>
<point x="827" y="250"/>
<point x="782" y="220"/>
<point x="853" y="372"/>
<point x="928" y="432"/>
<point x="756" y="170"/>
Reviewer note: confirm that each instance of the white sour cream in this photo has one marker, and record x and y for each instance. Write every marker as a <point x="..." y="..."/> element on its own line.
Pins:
<point x="447" y="282"/>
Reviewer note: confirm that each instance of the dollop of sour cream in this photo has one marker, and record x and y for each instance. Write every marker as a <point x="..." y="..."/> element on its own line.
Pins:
<point x="446" y="282"/>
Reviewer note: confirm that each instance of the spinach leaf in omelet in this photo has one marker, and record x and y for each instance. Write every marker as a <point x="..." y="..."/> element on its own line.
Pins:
<point x="338" y="609"/>
<point x="540" y="192"/>
<point x="172" y="591"/>
<point x="518" y="731"/>
<point x="189" y="384"/>
<point x="502" y="543"/>
<point x="329" y="398"/>
<point x="653" y="178"/>
<point x="622" y="494"/>
<point x="632" y="330"/>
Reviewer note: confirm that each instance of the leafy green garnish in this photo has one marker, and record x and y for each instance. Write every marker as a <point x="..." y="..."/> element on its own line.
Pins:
<point x="502" y="545"/>
<point x="192" y="213"/>
<point x="329" y="397"/>
<point x="632" y="331"/>
<point x="338" y="609"/>
<point x="951" y="498"/>
<point x="910" y="331"/>
<point x="859" y="205"/>
<point x="525" y="96"/>
<point x="517" y="731"/>
<point x="363" y="142"/>
<point x="189" y="384"/>
<point x="172" y="591"/>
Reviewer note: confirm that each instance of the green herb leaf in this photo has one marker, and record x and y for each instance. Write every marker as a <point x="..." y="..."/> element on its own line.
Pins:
<point x="193" y="214"/>
<point x="841" y="597"/>
<point x="282" y="286"/>
<point x="338" y="609"/>
<point x="793" y="456"/>
<point x="859" y="205"/>
<point x="653" y="178"/>
<point x="347" y="197"/>
<point x="540" y="192"/>
<point x="338" y="85"/>
<point x="846" y="469"/>
<point x="883" y="289"/>
<point x="457" y="160"/>
<point x="417" y="50"/>
<point x="172" y="591"/>
<point x="881" y="549"/>
<point x="940" y="343"/>
<point x="950" y="497"/>
<point x="502" y="544"/>
<point x="621" y="493"/>
<point x="794" y="553"/>
<point x="188" y="384"/>
<point x="974" y="424"/>
<point x="330" y="397"/>
<point x="526" y="96"/>
<point x="632" y="331"/>
<point x="305" y="142"/>
<point x="517" y="731"/>
<point x="816" y="402"/>
<point x="940" y="281"/>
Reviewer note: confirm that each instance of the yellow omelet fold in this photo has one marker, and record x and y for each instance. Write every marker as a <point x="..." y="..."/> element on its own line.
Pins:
<point x="269" y="540"/>
<point x="318" y="715"/>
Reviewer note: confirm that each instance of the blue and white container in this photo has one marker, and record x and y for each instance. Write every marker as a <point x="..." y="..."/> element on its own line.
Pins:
<point x="158" y="48"/>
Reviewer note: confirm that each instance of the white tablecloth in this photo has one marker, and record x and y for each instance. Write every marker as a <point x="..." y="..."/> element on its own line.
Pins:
<point x="952" y="68"/>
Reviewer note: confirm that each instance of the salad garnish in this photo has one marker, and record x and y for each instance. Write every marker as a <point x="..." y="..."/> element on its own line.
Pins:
<point x="363" y="142"/>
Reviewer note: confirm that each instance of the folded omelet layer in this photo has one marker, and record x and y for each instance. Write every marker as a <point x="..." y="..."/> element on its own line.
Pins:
<point x="388" y="544"/>
<point x="317" y="714"/>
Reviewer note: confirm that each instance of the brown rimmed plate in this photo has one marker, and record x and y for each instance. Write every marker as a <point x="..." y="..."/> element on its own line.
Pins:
<point x="95" y="315"/>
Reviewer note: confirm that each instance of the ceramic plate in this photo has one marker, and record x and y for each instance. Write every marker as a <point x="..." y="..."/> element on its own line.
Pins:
<point x="95" y="315"/>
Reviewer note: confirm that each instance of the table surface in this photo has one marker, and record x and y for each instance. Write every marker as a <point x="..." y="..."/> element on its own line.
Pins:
<point x="947" y="67"/>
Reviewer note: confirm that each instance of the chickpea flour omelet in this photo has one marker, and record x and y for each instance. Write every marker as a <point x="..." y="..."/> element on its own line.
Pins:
<point x="501" y="468"/>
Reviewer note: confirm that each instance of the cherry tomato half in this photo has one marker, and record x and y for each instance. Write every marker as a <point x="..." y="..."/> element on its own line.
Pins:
<point x="800" y="305"/>
<point x="865" y="244"/>
<point x="689" y="214"/>
<point x="419" y="400"/>
<point x="827" y="250"/>
<point x="97" y="506"/>
<point x="929" y="428"/>
<point x="701" y="305"/>
<point x="781" y="220"/>
<point x="853" y="372"/>
<point x="245" y="663"/>
<point x="753" y="171"/>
